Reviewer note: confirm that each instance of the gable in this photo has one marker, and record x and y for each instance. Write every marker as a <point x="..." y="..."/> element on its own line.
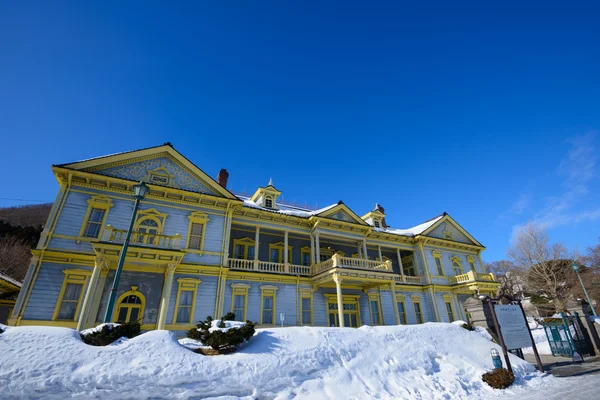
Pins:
<point x="448" y="229"/>
<point x="341" y="212"/>
<point x="161" y="165"/>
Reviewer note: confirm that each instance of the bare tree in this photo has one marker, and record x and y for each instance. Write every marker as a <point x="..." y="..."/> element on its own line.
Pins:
<point x="547" y="266"/>
<point x="510" y="276"/>
<point x="15" y="255"/>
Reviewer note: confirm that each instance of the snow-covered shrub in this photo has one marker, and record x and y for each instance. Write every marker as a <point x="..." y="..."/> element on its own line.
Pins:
<point x="468" y="326"/>
<point x="222" y="335"/>
<point x="105" y="334"/>
<point x="1" y="330"/>
<point x="499" y="378"/>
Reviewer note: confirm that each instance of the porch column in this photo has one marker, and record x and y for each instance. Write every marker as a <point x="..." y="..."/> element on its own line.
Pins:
<point x="317" y="249"/>
<point x="364" y="245"/>
<point x="340" y="300"/>
<point x="400" y="261"/>
<point x="222" y="294"/>
<point x="395" y="303"/>
<point x="286" y="261"/>
<point x="89" y="294"/>
<point x="256" y="246"/>
<point x="379" y="252"/>
<point x="95" y="306"/>
<point x="359" y="251"/>
<point x="480" y="264"/>
<point x="166" y="295"/>
<point x="312" y="250"/>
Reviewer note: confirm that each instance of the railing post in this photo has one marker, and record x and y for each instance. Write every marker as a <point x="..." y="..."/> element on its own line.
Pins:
<point x="177" y="241"/>
<point x="389" y="264"/>
<point x="336" y="260"/>
<point x="107" y="233"/>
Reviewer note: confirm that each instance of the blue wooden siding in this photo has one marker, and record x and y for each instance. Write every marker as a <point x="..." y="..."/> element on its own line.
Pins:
<point x="46" y="289"/>
<point x="206" y="297"/>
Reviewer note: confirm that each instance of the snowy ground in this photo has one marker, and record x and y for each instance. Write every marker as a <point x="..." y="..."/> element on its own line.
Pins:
<point x="541" y="342"/>
<point x="429" y="361"/>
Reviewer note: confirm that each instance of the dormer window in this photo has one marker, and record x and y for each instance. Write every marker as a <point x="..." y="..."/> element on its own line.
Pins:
<point x="269" y="202"/>
<point x="376" y="223"/>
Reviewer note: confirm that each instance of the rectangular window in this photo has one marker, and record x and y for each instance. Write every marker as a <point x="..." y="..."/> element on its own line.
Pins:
<point x="472" y="265"/>
<point x="94" y="223"/>
<point x="418" y="314"/>
<point x="375" y="318"/>
<point x="184" y="312"/>
<point x="306" y="311"/>
<point x="401" y="312"/>
<point x="305" y="258"/>
<point x="450" y="312"/>
<point x="239" y="307"/>
<point x="70" y="301"/>
<point x="196" y="236"/>
<point x="267" y="310"/>
<point x="269" y="202"/>
<point x="275" y="256"/>
<point x="438" y="264"/>
<point x="238" y="252"/>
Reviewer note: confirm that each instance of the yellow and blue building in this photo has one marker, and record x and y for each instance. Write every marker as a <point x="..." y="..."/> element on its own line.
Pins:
<point x="197" y="250"/>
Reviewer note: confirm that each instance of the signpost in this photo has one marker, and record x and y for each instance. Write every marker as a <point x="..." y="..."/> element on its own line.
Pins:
<point x="512" y="328"/>
<point x="281" y="318"/>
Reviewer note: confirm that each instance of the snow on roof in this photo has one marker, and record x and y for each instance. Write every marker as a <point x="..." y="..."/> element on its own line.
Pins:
<point x="415" y="230"/>
<point x="10" y="280"/>
<point x="287" y="210"/>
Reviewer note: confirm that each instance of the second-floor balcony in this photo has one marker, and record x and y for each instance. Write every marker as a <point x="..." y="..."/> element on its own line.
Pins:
<point x="144" y="239"/>
<point x="471" y="276"/>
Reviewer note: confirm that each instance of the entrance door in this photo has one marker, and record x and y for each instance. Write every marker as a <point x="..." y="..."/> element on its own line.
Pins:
<point x="351" y="314"/>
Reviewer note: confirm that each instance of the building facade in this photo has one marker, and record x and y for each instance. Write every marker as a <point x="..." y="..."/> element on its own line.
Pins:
<point x="197" y="250"/>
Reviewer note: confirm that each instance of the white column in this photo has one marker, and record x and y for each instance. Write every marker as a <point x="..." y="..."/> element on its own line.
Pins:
<point x="89" y="294"/>
<point x="400" y="261"/>
<point x="365" y="254"/>
<point x="394" y="302"/>
<point x="166" y="295"/>
<point x="340" y="300"/>
<point x="286" y="261"/>
<point x="256" y="246"/>
<point x="312" y="250"/>
<point x="379" y="252"/>
<point x="359" y="252"/>
<point x="317" y="248"/>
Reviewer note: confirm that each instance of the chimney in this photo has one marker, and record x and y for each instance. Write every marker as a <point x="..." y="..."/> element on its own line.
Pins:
<point x="382" y="210"/>
<point x="222" y="177"/>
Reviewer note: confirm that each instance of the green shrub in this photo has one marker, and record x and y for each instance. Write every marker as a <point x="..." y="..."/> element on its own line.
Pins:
<point x="1" y="330"/>
<point x="110" y="333"/>
<point x="218" y="340"/>
<point x="468" y="326"/>
<point x="500" y="378"/>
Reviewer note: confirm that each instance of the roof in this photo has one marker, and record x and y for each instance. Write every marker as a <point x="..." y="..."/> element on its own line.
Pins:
<point x="415" y="230"/>
<point x="10" y="280"/>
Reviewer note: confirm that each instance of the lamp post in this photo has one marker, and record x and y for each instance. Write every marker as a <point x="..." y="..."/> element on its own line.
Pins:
<point x="139" y="192"/>
<point x="587" y="296"/>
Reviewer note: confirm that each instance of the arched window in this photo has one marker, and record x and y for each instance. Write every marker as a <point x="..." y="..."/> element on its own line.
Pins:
<point x="456" y="266"/>
<point x="130" y="306"/>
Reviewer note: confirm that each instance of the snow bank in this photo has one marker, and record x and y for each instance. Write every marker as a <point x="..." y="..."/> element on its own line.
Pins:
<point x="429" y="361"/>
<point x="541" y="342"/>
<point x="214" y="326"/>
<point x="98" y="328"/>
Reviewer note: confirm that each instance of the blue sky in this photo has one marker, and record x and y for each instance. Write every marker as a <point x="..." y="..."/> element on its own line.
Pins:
<point x="486" y="111"/>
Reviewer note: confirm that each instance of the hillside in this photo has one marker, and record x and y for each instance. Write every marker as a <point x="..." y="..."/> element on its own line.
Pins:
<point x="29" y="215"/>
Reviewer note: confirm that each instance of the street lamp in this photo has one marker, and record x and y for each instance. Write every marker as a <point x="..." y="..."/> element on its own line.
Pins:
<point x="587" y="296"/>
<point x="139" y="192"/>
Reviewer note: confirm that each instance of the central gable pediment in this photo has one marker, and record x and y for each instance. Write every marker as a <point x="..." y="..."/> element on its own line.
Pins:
<point x="162" y="166"/>
<point x="447" y="228"/>
<point x="341" y="212"/>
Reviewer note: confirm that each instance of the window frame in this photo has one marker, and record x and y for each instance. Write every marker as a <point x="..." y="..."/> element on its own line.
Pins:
<point x="240" y="289"/>
<point x="305" y="251"/>
<point x="458" y="261"/>
<point x="269" y="198"/>
<point x="118" y="304"/>
<point x="72" y="276"/>
<point x="245" y="243"/>
<point x="196" y="217"/>
<point x="188" y="284"/>
<point x="100" y="202"/>
<point x="400" y="300"/>
<point x="416" y="301"/>
<point x="471" y="262"/>
<point x="373" y="297"/>
<point x="268" y="291"/>
<point x="280" y="247"/>
<point x="437" y="260"/>
<point x="153" y="215"/>
<point x="306" y="293"/>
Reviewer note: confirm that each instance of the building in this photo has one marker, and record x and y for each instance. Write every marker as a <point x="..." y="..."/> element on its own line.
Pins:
<point x="9" y="290"/>
<point x="199" y="250"/>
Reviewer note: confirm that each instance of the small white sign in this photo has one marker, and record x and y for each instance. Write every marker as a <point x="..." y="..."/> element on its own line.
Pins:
<point x="515" y="331"/>
<point x="281" y="317"/>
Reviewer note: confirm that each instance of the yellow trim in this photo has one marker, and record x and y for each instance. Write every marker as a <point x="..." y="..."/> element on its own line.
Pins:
<point x="100" y="202"/>
<point x="151" y="214"/>
<point x="471" y="261"/>
<point x="186" y="284"/>
<point x="129" y="307"/>
<point x="197" y="217"/>
<point x="304" y="250"/>
<point x="307" y="294"/>
<point x="437" y="257"/>
<point x="280" y="247"/>
<point x="448" y="300"/>
<point x="268" y="291"/>
<point x="346" y="298"/>
<point x="74" y="276"/>
<point x="338" y="208"/>
<point x="245" y="243"/>
<point x="457" y="260"/>
<point x="447" y="218"/>
<point x="377" y="298"/>
<point x="400" y="300"/>
<point x="240" y="289"/>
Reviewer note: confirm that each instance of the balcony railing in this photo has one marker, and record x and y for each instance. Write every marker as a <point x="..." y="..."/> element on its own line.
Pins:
<point x="408" y="279"/>
<point x="142" y="238"/>
<point x="471" y="276"/>
<point x="338" y="261"/>
<point x="266" y="266"/>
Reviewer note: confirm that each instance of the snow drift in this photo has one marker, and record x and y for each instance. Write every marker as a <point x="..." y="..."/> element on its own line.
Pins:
<point x="429" y="361"/>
